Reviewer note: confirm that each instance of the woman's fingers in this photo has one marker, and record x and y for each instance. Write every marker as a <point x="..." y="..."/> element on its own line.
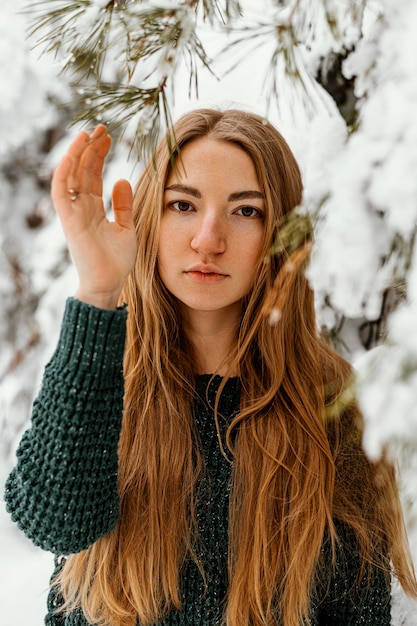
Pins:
<point x="75" y="152"/>
<point x="90" y="169"/>
<point x="82" y="166"/>
<point x="59" y="187"/>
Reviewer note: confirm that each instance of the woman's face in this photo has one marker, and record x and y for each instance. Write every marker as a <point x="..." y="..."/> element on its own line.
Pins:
<point x="212" y="227"/>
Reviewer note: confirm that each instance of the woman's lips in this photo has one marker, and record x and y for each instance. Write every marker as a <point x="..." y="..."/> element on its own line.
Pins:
<point x="207" y="278"/>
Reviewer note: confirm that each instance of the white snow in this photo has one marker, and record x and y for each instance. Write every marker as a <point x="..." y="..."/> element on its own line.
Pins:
<point x="361" y="187"/>
<point x="24" y="573"/>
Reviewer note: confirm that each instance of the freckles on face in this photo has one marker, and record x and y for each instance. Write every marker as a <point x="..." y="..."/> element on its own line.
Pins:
<point x="212" y="226"/>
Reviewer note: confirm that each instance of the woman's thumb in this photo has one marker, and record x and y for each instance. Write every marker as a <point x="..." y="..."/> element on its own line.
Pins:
<point x="122" y="198"/>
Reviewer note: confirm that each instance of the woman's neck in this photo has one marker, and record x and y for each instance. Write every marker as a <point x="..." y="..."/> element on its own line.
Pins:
<point x="212" y="335"/>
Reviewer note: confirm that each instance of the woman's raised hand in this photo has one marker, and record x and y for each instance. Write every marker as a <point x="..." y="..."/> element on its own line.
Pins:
<point x="103" y="252"/>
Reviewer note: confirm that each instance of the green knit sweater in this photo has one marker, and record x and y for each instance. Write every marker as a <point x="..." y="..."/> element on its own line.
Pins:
<point x="63" y="491"/>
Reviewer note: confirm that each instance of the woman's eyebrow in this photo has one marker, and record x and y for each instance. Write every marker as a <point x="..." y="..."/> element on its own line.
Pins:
<point x="246" y="195"/>
<point x="237" y="195"/>
<point x="191" y="191"/>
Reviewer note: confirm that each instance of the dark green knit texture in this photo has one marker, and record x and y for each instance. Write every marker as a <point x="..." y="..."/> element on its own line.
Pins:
<point x="63" y="491"/>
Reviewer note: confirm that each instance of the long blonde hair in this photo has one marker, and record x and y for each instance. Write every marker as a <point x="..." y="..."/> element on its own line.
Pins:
<point x="298" y="463"/>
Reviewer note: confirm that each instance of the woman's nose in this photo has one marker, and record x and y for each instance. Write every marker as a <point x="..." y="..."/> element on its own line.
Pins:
<point x="209" y="236"/>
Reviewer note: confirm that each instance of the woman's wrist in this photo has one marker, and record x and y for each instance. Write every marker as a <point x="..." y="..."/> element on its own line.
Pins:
<point x="105" y="300"/>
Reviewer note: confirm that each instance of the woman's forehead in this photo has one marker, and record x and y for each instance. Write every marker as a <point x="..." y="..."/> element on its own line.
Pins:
<point x="206" y="157"/>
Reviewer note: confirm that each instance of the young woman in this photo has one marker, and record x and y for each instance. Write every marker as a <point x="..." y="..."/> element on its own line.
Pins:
<point x="208" y="469"/>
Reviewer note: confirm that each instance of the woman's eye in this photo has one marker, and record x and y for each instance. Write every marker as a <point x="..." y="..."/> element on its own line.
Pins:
<point x="249" y="211"/>
<point x="181" y="206"/>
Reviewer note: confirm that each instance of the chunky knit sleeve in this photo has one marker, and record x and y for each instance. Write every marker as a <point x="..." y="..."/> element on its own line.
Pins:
<point x="347" y="602"/>
<point x="63" y="491"/>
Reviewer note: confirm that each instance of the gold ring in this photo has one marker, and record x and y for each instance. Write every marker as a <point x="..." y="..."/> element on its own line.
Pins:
<point x="74" y="193"/>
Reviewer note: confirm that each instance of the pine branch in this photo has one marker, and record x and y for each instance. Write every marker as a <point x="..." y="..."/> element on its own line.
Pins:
<point x="295" y="231"/>
<point x="292" y="29"/>
<point x="118" y="105"/>
<point x="212" y="11"/>
<point x="124" y="54"/>
<point x="94" y="38"/>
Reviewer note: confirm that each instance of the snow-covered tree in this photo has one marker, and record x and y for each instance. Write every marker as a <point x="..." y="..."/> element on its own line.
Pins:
<point x="336" y="76"/>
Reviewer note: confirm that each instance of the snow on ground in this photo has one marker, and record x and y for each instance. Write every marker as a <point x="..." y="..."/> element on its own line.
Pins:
<point x="24" y="574"/>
